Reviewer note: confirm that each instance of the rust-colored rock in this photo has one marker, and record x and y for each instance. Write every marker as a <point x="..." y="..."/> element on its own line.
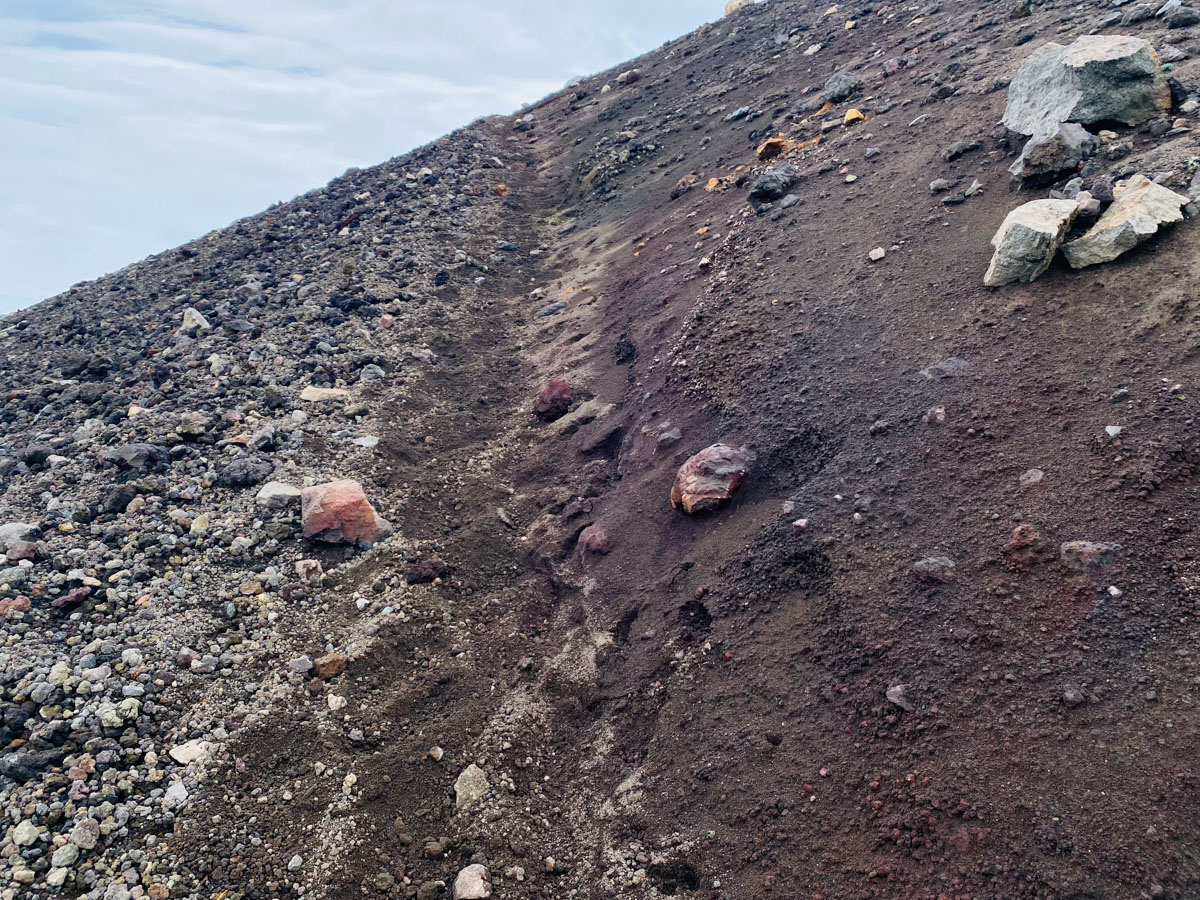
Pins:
<point x="19" y="603"/>
<point x="1026" y="548"/>
<point x="340" y="513"/>
<point x="553" y="401"/>
<point x="710" y="477"/>
<point x="331" y="665"/>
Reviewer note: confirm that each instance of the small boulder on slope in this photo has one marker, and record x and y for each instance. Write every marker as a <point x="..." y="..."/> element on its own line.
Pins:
<point x="1140" y="207"/>
<point x="1096" y="78"/>
<point x="339" y="512"/>
<point x="1028" y="239"/>
<point x="710" y="477"/>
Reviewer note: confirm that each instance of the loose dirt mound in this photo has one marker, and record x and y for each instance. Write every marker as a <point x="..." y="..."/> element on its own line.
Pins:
<point x="885" y="667"/>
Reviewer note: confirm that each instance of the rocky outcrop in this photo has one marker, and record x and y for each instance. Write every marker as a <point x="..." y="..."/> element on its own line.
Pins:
<point x="1140" y="208"/>
<point x="734" y="5"/>
<point x="1028" y="239"/>
<point x="1096" y="78"/>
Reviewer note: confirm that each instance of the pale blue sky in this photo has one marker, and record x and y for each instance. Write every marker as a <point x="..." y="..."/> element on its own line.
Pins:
<point x="132" y="126"/>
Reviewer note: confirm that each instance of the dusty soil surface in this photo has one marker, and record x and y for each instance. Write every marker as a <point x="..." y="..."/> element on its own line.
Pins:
<point x="722" y="705"/>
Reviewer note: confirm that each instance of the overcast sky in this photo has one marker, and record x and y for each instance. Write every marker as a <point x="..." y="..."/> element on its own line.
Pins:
<point x="131" y="126"/>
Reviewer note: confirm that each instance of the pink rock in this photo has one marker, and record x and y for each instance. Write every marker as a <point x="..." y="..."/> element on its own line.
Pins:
<point x="553" y="401"/>
<point x="710" y="477"/>
<point x="340" y="513"/>
<point x="72" y="597"/>
<point x="593" y="539"/>
<point x="386" y="321"/>
<point x="22" y="550"/>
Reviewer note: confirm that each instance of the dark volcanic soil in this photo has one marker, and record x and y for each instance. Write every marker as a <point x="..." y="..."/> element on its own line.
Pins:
<point x="703" y="711"/>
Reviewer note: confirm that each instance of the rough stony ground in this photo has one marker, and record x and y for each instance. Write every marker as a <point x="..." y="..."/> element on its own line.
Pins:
<point x="722" y="705"/>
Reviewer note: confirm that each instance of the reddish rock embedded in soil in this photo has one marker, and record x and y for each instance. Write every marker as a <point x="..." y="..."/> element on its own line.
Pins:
<point x="935" y="568"/>
<point x="331" y="665"/>
<point x="427" y="572"/>
<point x="593" y="540"/>
<point x="1026" y="547"/>
<point x="553" y="401"/>
<point x="1080" y="555"/>
<point x="710" y="477"/>
<point x="340" y="513"/>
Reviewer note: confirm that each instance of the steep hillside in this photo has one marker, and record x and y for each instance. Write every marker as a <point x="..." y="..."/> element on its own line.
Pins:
<point x="941" y="642"/>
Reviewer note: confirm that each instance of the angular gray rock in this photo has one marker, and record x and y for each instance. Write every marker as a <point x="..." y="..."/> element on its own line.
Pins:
<point x="1096" y="78"/>
<point x="935" y="568"/>
<point x="1140" y="207"/>
<point x="277" y="495"/>
<point x="841" y="86"/>
<point x="1054" y="148"/>
<point x="15" y="533"/>
<point x="1082" y="555"/>
<point x="1028" y="239"/>
<point x="773" y="185"/>
<point x="194" y="323"/>
<point x="246" y="470"/>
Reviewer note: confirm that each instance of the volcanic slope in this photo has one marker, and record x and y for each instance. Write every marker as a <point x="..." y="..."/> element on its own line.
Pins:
<point x="547" y="682"/>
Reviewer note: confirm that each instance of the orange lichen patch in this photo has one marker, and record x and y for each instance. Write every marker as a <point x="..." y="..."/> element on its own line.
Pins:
<point x="501" y="190"/>
<point x="703" y="230"/>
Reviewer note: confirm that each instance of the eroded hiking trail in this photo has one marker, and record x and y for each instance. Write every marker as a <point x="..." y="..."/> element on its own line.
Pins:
<point x="940" y="642"/>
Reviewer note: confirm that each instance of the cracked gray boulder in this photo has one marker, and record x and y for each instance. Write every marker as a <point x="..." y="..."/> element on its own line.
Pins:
<point x="1097" y="78"/>
<point x="1054" y="148"/>
<point x="1028" y="239"/>
<point x="1140" y="207"/>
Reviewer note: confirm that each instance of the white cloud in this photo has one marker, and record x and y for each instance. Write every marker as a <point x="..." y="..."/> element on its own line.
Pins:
<point x="134" y="125"/>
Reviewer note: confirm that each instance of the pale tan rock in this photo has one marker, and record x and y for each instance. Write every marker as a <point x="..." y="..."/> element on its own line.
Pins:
<point x="1028" y="239"/>
<point x="1140" y="207"/>
<point x="471" y="786"/>
<point x="194" y="322"/>
<point x="734" y="5"/>
<point x="314" y="394"/>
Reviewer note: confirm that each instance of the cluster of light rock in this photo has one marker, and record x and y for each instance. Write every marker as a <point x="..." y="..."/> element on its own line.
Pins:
<point x="1097" y="78"/>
